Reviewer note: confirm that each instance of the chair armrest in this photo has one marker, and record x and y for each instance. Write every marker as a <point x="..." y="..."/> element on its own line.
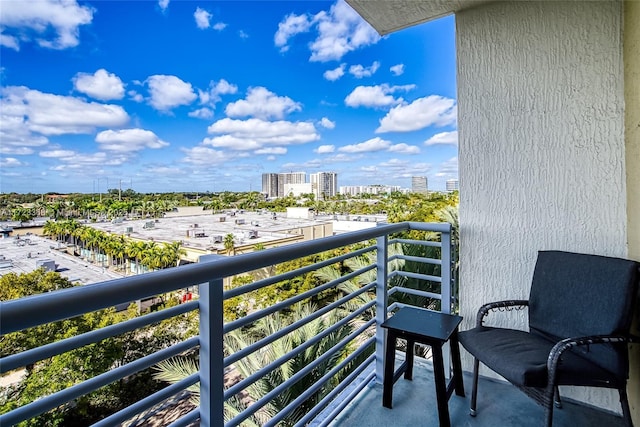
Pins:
<point x="568" y="343"/>
<point x="507" y="305"/>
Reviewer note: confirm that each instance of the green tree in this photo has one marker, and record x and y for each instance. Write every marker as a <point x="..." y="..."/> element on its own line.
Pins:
<point x="135" y="249"/>
<point x="21" y="214"/>
<point x="178" y="369"/>
<point x="229" y="244"/>
<point x="64" y="370"/>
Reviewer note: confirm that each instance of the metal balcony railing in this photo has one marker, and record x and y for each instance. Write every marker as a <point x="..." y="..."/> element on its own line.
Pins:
<point x="356" y="359"/>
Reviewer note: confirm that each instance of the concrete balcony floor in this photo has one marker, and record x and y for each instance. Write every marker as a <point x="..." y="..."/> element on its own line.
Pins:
<point x="499" y="404"/>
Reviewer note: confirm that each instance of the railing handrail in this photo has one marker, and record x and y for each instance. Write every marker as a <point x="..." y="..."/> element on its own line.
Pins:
<point x="57" y="305"/>
<point x="22" y="313"/>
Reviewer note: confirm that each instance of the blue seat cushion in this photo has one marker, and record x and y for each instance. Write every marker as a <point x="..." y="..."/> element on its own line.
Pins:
<point x="521" y="358"/>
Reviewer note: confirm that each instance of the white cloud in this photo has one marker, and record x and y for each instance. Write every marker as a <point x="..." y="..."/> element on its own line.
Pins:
<point x="165" y="170"/>
<point x="360" y="71"/>
<point x="335" y="74"/>
<point x="168" y="92"/>
<point x="272" y="150"/>
<point x="446" y="138"/>
<point x="403" y="148"/>
<point x="135" y="96"/>
<point x="202" y="18"/>
<point x="26" y="112"/>
<point x="396" y="168"/>
<point x="243" y="34"/>
<point x="292" y="25"/>
<point x="325" y="149"/>
<point x="17" y="151"/>
<point x="339" y="31"/>
<point x="449" y="168"/>
<point x="327" y="124"/>
<point x="375" y="96"/>
<point x="219" y="26"/>
<point x="15" y="134"/>
<point x="397" y="69"/>
<point x="57" y="154"/>
<point x="371" y="145"/>
<point x="101" y="85"/>
<point x="9" y="41"/>
<point x="164" y="4"/>
<point x="11" y="162"/>
<point x="204" y="156"/>
<point x="423" y="112"/>
<point x="89" y="163"/>
<point x="213" y="94"/>
<point x="263" y="104"/>
<point x="40" y="20"/>
<point x="254" y="134"/>
<point x="127" y="140"/>
<point x="202" y="113"/>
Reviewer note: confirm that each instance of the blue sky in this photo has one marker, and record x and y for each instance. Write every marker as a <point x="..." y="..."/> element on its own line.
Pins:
<point x="206" y="96"/>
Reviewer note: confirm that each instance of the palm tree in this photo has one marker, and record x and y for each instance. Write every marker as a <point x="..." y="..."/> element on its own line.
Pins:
<point x="135" y="249"/>
<point x="50" y="229"/>
<point x="91" y="238"/>
<point x="150" y="255"/>
<point x="117" y="248"/>
<point x="176" y="252"/>
<point x="177" y="370"/>
<point x="229" y="243"/>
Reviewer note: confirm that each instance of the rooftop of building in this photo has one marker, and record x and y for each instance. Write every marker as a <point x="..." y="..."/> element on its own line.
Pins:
<point x="23" y="254"/>
<point x="206" y="230"/>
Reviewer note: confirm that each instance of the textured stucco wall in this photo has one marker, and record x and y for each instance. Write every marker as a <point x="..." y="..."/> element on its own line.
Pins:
<point x="542" y="145"/>
<point x="631" y="43"/>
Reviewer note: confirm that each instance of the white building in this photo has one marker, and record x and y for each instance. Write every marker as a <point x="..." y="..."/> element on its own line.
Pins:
<point x="324" y="184"/>
<point x="270" y="184"/>
<point x="419" y="184"/>
<point x="297" y="190"/>
<point x="290" y="178"/>
<point x="354" y="190"/>
<point x="452" y="185"/>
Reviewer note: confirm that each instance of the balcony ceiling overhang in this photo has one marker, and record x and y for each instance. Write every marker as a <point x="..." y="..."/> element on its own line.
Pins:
<point x="387" y="16"/>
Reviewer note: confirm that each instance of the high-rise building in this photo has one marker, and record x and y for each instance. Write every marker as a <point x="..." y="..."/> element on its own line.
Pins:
<point x="290" y="178"/>
<point x="270" y="184"/>
<point x="324" y="184"/>
<point x="452" y="185"/>
<point x="419" y="184"/>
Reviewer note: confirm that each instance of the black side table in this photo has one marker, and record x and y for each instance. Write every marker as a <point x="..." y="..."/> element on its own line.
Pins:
<point x="427" y="327"/>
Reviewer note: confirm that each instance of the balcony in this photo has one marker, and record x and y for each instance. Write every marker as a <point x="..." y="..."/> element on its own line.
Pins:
<point x="397" y="264"/>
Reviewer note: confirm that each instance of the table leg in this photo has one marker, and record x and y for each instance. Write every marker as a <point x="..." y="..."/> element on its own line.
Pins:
<point x="408" y="374"/>
<point x="441" y="386"/>
<point x="389" y="365"/>
<point x="457" y="366"/>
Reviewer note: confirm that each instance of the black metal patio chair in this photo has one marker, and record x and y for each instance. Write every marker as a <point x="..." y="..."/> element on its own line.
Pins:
<point x="580" y="313"/>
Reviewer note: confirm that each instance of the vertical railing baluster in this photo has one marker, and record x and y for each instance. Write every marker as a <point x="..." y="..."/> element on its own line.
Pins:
<point x="445" y="290"/>
<point x="381" y="303"/>
<point x="211" y="354"/>
<point x="445" y="271"/>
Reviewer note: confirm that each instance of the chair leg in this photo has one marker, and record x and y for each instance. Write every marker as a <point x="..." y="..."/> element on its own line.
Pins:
<point x="548" y="404"/>
<point x="557" y="401"/>
<point x="624" y="402"/>
<point x="474" y="387"/>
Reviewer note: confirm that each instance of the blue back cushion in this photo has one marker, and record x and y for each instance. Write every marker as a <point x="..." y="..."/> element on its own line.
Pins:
<point x="576" y="295"/>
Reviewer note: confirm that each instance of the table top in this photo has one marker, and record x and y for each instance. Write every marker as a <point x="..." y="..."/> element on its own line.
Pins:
<point x="432" y="324"/>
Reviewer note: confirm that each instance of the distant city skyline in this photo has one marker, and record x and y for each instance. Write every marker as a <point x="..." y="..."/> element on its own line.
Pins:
<point x="206" y="96"/>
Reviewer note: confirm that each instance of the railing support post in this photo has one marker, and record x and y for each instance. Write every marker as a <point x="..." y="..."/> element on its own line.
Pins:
<point x="445" y="271"/>
<point x="211" y="354"/>
<point x="381" y="303"/>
